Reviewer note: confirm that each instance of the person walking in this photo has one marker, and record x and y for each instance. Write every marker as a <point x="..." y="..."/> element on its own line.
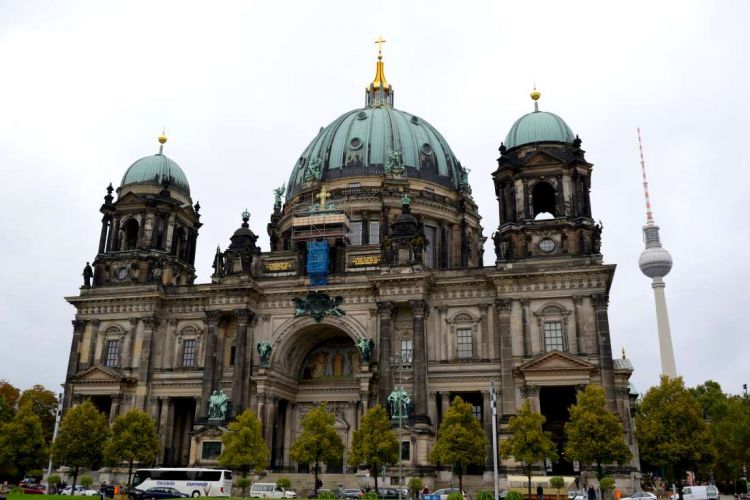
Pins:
<point x="592" y="492"/>
<point x="539" y="492"/>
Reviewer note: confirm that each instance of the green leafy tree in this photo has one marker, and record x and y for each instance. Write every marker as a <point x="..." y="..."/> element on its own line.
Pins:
<point x="528" y="443"/>
<point x="671" y="431"/>
<point x="242" y="483"/>
<point x="53" y="480"/>
<point x="244" y="446"/>
<point x="22" y="445"/>
<point x="460" y="440"/>
<point x="80" y="442"/>
<point x="134" y="440"/>
<point x="730" y="430"/>
<point x="374" y="444"/>
<point x="485" y="495"/>
<point x="6" y="411"/>
<point x="86" y="481"/>
<point x="318" y="441"/>
<point x="595" y="436"/>
<point x="607" y="486"/>
<point x="415" y="486"/>
<point x="9" y="392"/>
<point x="557" y="482"/>
<point x="43" y="403"/>
<point x="284" y="483"/>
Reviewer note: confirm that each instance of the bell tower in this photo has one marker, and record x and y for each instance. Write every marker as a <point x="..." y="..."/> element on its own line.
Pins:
<point x="149" y="232"/>
<point x="542" y="186"/>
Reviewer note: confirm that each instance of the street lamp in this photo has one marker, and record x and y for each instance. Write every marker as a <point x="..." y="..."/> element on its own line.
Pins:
<point x="399" y="398"/>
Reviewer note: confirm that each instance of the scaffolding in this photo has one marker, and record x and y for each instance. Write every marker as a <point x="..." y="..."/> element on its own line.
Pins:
<point x="316" y="221"/>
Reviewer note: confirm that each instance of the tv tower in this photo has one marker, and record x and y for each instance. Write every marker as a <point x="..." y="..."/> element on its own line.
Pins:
<point x="655" y="262"/>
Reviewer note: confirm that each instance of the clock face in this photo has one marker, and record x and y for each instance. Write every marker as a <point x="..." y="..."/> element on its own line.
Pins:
<point x="547" y="245"/>
<point x="122" y="273"/>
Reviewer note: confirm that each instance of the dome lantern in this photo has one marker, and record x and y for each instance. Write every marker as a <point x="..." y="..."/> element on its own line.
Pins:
<point x="538" y="126"/>
<point x="156" y="170"/>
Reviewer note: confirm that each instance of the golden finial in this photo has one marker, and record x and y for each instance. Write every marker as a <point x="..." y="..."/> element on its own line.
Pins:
<point x="323" y="197"/>
<point x="163" y="136"/>
<point x="380" y="41"/>
<point x="535" y="95"/>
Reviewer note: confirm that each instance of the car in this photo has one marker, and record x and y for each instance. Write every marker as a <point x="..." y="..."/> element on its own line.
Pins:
<point x="33" y="489"/>
<point x="351" y="493"/>
<point x="577" y="495"/>
<point x="447" y="491"/>
<point x="159" y="492"/>
<point x="270" y="490"/>
<point x="391" y="493"/>
<point x="641" y="495"/>
<point x="709" y="492"/>
<point x="80" y="491"/>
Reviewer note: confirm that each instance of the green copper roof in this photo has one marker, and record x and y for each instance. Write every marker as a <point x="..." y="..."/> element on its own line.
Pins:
<point x="359" y="142"/>
<point x="153" y="170"/>
<point x="539" y="126"/>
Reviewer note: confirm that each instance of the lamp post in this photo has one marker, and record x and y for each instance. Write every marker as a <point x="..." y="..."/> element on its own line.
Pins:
<point x="397" y="397"/>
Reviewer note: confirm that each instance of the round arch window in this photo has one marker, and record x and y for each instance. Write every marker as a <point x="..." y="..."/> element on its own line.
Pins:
<point x="547" y="245"/>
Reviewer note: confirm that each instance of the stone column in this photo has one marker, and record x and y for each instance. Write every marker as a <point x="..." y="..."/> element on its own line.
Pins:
<point x="114" y="234"/>
<point x="601" y="302"/>
<point x="484" y="346"/>
<point x="531" y="392"/>
<point x="103" y="237"/>
<point x="503" y="309"/>
<point x="131" y="340"/>
<point x="144" y="363"/>
<point x="419" y="359"/>
<point x="164" y="431"/>
<point x="577" y="315"/>
<point x="432" y="409"/>
<point x="209" y="363"/>
<point x="219" y="358"/>
<point x="78" y="326"/>
<point x="92" y="341"/>
<point x="385" y="384"/>
<point x="445" y="402"/>
<point x="239" y="379"/>
<point x="487" y="424"/>
<point x="526" y="327"/>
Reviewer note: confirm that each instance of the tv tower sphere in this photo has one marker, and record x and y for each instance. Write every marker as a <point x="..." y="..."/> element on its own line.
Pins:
<point x="655" y="261"/>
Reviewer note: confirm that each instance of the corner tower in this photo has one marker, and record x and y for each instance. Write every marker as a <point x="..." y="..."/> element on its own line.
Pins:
<point x="149" y="233"/>
<point x="542" y="186"/>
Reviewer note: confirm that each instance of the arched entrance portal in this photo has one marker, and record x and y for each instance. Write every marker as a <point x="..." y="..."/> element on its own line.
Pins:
<point x="311" y="363"/>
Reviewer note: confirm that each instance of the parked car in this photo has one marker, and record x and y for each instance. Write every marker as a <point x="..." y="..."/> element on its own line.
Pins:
<point x="447" y="491"/>
<point x="80" y="491"/>
<point x="641" y="495"/>
<point x="157" y="493"/>
<point x="33" y="489"/>
<point x="270" y="490"/>
<point x="351" y="493"/>
<point x="391" y="493"/>
<point x="709" y="492"/>
<point x="577" y="495"/>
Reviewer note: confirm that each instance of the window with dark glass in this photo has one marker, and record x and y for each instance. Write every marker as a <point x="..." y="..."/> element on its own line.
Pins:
<point x="406" y="350"/>
<point x="112" y="353"/>
<point x="553" y="337"/>
<point x="355" y="232"/>
<point x="464" y="343"/>
<point x="405" y="450"/>
<point x="232" y="354"/>
<point x="211" y="451"/>
<point x="374" y="230"/>
<point x="476" y="410"/>
<point x="188" y="352"/>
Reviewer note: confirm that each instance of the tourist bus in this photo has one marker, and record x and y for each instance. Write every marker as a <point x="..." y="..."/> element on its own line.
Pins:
<point x="191" y="481"/>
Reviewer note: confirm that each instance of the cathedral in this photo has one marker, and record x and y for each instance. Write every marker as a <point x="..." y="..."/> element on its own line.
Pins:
<point x="375" y="284"/>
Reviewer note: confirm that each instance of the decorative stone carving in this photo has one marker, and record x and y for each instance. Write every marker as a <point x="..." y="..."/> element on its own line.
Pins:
<point x="318" y="305"/>
<point x="418" y="308"/>
<point x="365" y="347"/>
<point x="503" y="306"/>
<point x="217" y="405"/>
<point x="264" y="351"/>
<point x="600" y="301"/>
<point x="385" y="309"/>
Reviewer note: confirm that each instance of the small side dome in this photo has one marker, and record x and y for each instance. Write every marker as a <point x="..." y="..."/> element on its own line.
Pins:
<point x="154" y="170"/>
<point x="538" y="126"/>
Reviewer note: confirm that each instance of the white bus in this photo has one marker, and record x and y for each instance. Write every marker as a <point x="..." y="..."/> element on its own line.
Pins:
<point x="191" y="481"/>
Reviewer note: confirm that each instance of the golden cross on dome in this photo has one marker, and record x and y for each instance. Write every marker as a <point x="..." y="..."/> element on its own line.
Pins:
<point x="323" y="196"/>
<point x="380" y="43"/>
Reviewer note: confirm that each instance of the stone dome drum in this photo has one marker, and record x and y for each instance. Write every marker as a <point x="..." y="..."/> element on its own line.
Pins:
<point x="154" y="170"/>
<point x="359" y="143"/>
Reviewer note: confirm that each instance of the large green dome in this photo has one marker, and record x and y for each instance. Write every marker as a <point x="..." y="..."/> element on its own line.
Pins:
<point x="359" y="142"/>
<point x="538" y="126"/>
<point x="154" y="170"/>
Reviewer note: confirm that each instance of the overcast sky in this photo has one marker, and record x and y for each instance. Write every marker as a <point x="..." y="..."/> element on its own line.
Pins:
<point x="85" y="88"/>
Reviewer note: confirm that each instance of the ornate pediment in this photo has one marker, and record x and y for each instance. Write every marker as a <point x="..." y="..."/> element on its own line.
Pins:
<point x="318" y="305"/>
<point x="541" y="158"/>
<point x="555" y="361"/>
<point x="99" y="374"/>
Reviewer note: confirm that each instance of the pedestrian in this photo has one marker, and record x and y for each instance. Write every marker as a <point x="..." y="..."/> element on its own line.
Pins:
<point x="592" y="492"/>
<point x="425" y="491"/>
<point x="539" y="492"/>
<point x="618" y="494"/>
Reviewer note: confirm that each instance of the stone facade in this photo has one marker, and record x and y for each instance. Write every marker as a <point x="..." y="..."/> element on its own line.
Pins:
<point x="405" y="257"/>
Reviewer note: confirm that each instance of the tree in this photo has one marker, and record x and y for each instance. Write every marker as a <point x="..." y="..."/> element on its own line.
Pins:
<point x="53" y="480"/>
<point x="595" y="435"/>
<point x="528" y="443"/>
<point x="460" y="440"/>
<point x="22" y="445"/>
<point x="557" y="482"/>
<point x="80" y="442"/>
<point x="8" y="400"/>
<point x="374" y="444"/>
<point x="415" y="486"/>
<point x="244" y="446"/>
<point x="318" y="440"/>
<point x="134" y="439"/>
<point x="671" y="431"/>
<point x="43" y="403"/>
<point x="87" y="481"/>
<point x="242" y="483"/>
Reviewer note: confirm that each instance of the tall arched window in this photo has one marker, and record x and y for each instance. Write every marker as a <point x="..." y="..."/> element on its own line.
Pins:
<point x="130" y="231"/>
<point x="543" y="197"/>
